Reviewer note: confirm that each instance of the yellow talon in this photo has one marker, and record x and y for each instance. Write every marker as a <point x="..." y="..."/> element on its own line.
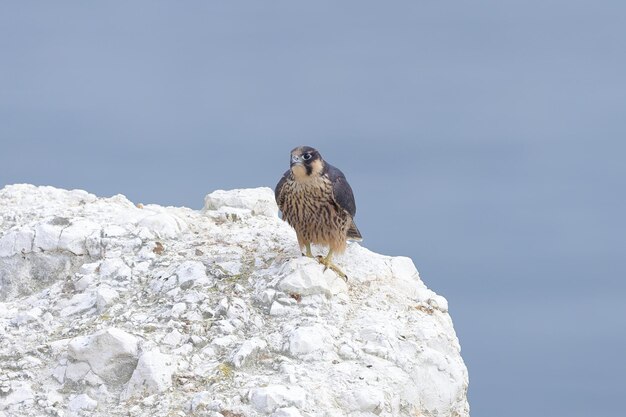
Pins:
<point x="327" y="262"/>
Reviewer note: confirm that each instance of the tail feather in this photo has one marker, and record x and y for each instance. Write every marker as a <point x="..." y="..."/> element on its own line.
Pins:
<point x="353" y="233"/>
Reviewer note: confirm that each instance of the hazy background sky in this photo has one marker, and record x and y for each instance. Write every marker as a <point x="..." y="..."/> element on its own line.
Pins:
<point x="484" y="139"/>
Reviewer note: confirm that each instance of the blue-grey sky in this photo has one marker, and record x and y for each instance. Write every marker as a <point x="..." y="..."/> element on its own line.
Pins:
<point x="484" y="139"/>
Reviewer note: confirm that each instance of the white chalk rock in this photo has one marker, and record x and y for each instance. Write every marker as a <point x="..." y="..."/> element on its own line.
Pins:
<point x="111" y="354"/>
<point x="191" y="273"/>
<point x="436" y="382"/>
<point x="105" y="296"/>
<point x="26" y="317"/>
<point x="79" y="303"/>
<point x="5" y="312"/>
<point x="82" y="402"/>
<point x="115" y="268"/>
<point x="305" y="276"/>
<point x="174" y="338"/>
<point x="21" y="392"/>
<point x="152" y="375"/>
<point x="163" y="225"/>
<point x="76" y="371"/>
<point x="230" y="267"/>
<point x="260" y="201"/>
<point x="308" y="339"/>
<point x="367" y="399"/>
<point x="278" y="309"/>
<point x="85" y="282"/>
<point x="17" y="242"/>
<point x="247" y="351"/>
<point x="59" y="373"/>
<point x="403" y="268"/>
<point x="364" y="265"/>
<point x="237" y="309"/>
<point x="268" y="399"/>
<point x="247" y="325"/>
<point x="47" y="234"/>
<point x="178" y="309"/>
<point x="287" y="412"/>
<point x="74" y="236"/>
<point x="89" y="268"/>
<point x="53" y="398"/>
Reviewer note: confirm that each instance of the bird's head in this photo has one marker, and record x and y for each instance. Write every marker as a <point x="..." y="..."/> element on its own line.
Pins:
<point x="306" y="163"/>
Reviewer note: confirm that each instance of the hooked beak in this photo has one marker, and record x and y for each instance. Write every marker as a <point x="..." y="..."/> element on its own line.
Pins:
<point x="295" y="159"/>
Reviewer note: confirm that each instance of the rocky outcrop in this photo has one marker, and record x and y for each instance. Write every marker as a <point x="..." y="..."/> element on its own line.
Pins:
<point x="110" y="308"/>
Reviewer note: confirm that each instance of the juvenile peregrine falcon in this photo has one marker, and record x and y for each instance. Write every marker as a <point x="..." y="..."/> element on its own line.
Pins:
<point x="317" y="201"/>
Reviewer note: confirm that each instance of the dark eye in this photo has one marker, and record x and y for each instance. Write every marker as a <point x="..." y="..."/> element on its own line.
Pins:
<point x="306" y="156"/>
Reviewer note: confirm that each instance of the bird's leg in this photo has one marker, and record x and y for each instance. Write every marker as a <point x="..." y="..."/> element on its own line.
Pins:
<point x="327" y="262"/>
<point x="308" y="253"/>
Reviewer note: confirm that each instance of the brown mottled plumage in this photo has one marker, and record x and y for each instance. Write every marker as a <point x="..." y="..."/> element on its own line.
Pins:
<point x="317" y="201"/>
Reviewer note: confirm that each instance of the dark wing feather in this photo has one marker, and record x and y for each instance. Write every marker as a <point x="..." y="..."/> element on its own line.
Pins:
<point x="278" y="191"/>
<point x="342" y="192"/>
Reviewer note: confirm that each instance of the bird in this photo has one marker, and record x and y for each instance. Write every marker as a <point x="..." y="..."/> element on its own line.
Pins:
<point x="317" y="201"/>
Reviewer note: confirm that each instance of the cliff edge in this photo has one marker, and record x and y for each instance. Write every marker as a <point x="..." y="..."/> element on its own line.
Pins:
<point x="109" y="308"/>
